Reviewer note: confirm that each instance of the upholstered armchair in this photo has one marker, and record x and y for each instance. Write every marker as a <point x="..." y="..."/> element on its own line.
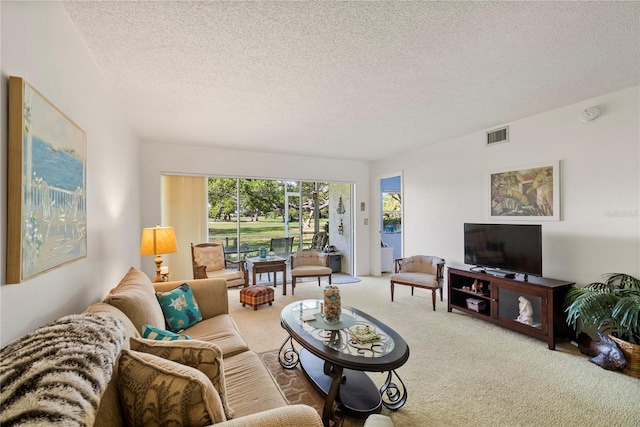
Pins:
<point x="419" y="271"/>
<point x="209" y="262"/>
<point x="309" y="264"/>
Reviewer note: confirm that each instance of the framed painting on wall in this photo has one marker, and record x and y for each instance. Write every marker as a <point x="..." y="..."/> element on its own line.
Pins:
<point x="46" y="185"/>
<point x="528" y="193"/>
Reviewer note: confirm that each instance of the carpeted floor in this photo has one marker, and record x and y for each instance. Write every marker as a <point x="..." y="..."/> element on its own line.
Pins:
<point x="466" y="372"/>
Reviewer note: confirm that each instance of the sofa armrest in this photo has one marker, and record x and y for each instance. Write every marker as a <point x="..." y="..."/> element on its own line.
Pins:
<point x="286" y="416"/>
<point x="211" y="294"/>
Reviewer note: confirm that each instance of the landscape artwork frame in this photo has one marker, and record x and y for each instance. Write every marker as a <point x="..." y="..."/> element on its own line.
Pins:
<point x="530" y="192"/>
<point x="46" y="185"/>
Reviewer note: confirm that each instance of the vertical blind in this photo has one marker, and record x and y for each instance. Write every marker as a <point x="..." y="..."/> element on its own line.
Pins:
<point x="184" y="204"/>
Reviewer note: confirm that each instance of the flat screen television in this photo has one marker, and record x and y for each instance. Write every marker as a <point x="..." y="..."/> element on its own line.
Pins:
<point x="513" y="248"/>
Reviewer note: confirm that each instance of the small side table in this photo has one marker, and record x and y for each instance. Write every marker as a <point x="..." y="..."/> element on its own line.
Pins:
<point x="269" y="265"/>
<point x="335" y="261"/>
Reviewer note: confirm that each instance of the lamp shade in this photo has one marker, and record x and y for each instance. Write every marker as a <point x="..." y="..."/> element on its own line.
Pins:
<point x="158" y="240"/>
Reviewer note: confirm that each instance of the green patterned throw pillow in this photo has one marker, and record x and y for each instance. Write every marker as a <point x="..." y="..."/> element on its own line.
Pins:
<point x="180" y="308"/>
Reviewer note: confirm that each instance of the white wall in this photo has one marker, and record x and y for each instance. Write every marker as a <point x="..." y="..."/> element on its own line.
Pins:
<point x="161" y="158"/>
<point x="40" y="44"/>
<point x="446" y="185"/>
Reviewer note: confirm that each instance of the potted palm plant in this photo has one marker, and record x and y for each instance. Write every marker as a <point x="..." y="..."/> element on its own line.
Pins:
<point x="613" y="307"/>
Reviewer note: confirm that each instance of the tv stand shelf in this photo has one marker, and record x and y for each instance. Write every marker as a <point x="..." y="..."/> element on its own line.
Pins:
<point x="500" y="298"/>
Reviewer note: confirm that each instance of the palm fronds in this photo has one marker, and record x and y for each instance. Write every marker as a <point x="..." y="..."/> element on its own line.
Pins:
<point x="612" y="306"/>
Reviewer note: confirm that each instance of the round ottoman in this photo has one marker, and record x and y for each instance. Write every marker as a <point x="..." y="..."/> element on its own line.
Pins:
<point x="256" y="295"/>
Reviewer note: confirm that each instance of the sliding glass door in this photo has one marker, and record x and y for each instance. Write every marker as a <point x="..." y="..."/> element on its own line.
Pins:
<point x="246" y="214"/>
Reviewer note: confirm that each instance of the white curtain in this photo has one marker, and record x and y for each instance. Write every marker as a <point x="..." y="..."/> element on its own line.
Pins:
<point x="184" y="207"/>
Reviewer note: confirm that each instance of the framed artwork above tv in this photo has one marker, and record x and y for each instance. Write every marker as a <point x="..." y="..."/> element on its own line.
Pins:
<point x="530" y="192"/>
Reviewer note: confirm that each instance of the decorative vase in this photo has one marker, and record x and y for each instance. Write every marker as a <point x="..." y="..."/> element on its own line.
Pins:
<point x="332" y="304"/>
<point x="262" y="252"/>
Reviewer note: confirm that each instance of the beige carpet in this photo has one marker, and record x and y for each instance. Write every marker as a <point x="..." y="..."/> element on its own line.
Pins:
<point x="466" y="372"/>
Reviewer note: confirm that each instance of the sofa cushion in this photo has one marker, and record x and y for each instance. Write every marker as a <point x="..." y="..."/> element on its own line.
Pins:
<point x="160" y="334"/>
<point x="250" y="386"/>
<point x="205" y="357"/>
<point x="108" y="309"/>
<point x="222" y="331"/>
<point x="156" y="391"/>
<point x="180" y="307"/>
<point x="136" y="298"/>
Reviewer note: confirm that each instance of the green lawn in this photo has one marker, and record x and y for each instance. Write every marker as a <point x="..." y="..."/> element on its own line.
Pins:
<point x="257" y="233"/>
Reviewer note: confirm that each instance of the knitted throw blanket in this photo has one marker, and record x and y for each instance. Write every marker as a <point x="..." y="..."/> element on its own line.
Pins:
<point x="56" y="374"/>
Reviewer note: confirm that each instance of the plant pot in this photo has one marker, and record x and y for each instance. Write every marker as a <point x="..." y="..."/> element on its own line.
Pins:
<point x="631" y="353"/>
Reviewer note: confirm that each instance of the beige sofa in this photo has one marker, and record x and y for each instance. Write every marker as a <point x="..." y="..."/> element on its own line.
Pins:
<point x="251" y="392"/>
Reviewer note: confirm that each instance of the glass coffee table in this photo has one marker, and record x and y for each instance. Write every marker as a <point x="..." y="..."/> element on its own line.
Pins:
<point x="335" y="358"/>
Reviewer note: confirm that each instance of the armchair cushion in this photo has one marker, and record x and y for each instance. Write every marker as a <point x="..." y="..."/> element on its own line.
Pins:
<point x="210" y="256"/>
<point x="309" y="258"/>
<point x="418" y="279"/>
<point x="420" y="264"/>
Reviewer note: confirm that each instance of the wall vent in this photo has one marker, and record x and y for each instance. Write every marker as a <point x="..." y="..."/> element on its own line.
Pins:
<point x="497" y="136"/>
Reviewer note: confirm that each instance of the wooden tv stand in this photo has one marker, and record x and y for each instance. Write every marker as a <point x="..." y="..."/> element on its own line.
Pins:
<point x="498" y="300"/>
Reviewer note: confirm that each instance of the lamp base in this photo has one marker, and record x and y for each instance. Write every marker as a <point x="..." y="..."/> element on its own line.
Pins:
<point x="158" y="262"/>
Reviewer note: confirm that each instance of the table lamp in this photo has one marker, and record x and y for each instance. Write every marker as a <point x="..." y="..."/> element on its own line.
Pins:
<point x="158" y="241"/>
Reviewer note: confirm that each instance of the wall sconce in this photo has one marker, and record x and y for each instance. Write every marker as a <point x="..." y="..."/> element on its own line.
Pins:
<point x="158" y="241"/>
<point x="341" y="228"/>
<point x="340" y="208"/>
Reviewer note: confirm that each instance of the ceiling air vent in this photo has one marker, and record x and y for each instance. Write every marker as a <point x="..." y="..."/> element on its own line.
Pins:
<point x="497" y="136"/>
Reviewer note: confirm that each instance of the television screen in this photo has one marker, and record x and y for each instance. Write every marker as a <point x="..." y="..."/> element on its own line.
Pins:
<point x="512" y="247"/>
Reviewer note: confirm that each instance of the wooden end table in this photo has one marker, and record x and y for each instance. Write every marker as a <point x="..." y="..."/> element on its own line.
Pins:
<point x="270" y="264"/>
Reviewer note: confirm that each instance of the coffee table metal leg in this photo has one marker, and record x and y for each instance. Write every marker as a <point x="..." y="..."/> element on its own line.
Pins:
<point x="335" y="372"/>
<point x="288" y="356"/>
<point x="394" y="395"/>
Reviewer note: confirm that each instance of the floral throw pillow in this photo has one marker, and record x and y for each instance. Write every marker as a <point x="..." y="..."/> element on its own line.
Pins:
<point x="179" y="307"/>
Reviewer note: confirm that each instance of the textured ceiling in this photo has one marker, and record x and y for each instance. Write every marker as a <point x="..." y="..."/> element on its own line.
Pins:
<point x="357" y="80"/>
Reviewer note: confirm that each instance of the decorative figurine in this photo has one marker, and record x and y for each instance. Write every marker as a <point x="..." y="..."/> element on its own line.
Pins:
<point x="526" y="311"/>
<point x="477" y="287"/>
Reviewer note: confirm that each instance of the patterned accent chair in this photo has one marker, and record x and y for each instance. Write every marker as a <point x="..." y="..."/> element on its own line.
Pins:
<point x="309" y="264"/>
<point x="209" y="262"/>
<point x="419" y="271"/>
<point x="319" y="241"/>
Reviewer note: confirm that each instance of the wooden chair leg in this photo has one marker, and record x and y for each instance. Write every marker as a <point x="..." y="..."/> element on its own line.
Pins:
<point x="318" y="280"/>
<point x="392" y="291"/>
<point x="329" y="279"/>
<point x="412" y="291"/>
<point x="433" y="299"/>
<point x="293" y="285"/>
<point x="441" y="295"/>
